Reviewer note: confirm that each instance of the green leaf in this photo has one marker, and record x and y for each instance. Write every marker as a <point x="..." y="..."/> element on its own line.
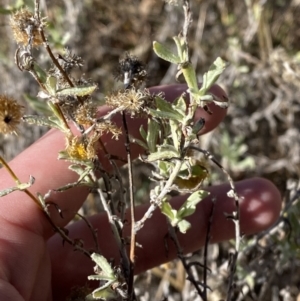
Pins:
<point x="180" y="105"/>
<point x="139" y="142"/>
<point x="190" y="76"/>
<point x="104" y="265"/>
<point x="152" y="134"/>
<point x="167" y="210"/>
<point x="164" y="152"/>
<point x="181" y="48"/>
<point x="176" y="218"/>
<point x="176" y="134"/>
<point x="183" y="226"/>
<point x="165" y="168"/>
<point x="8" y="190"/>
<point x="41" y="74"/>
<point x="106" y="274"/>
<point x="19" y="187"/>
<point x="42" y="121"/>
<point x="210" y="77"/>
<point x="72" y="185"/>
<point x="166" y="110"/>
<point x="77" y="91"/>
<point x="166" y="54"/>
<point x="51" y="83"/>
<point x="101" y="277"/>
<point x="189" y="206"/>
<point x="143" y="132"/>
<point x="196" y="197"/>
<point x="165" y="106"/>
<point x="102" y="293"/>
<point x="37" y="105"/>
<point x="83" y="171"/>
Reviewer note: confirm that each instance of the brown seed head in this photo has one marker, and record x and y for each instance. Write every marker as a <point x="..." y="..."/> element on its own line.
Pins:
<point x="131" y="71"/>
<point x="26" y="27"/>
<point x="10" y="115"/>
<point x="85" y="113"/>
<point x="108" y="127"/>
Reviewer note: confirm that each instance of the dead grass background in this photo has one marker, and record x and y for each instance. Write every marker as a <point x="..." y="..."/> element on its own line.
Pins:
<point x="259" y="137"/>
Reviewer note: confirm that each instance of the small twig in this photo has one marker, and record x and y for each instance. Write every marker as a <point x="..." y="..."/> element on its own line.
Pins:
<point x="235" y="217"/>
<point x="62" y="116"/>
<point x="93" y="231"/>
<point x="18" y="182"/>
<point x="46" y="45"/>
<point x="182" y="258"/>
<point x="115" y="226"/>
<point x="132" y="207"/>
<point x="118" y="175"/>
<point x="205" y="255"/>
<point x="62" y="232"/>
<point x="232" y="266"/>
<point x="10" y="171"/>
<point x="187" y="22"/>
<point x="109" y="115"/>
<point x="121" y="201"/>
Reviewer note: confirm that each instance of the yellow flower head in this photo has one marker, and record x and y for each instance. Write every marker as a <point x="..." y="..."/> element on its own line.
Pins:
<point x="82" y="148"/>
<point x="76" y="148"/>
<point x="25" y="27"/>
<point x="10" y="115"/>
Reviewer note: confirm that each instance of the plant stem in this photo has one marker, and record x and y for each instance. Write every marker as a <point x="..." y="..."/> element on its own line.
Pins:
<point x="46" y="44"/>
<point x="132" y="206"/>
<point x="10" y="171"/>
<point x="158" y="200"/>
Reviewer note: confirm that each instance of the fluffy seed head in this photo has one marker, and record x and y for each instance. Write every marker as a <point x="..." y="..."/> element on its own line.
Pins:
<point x="85" y="113"/>
<point x="132" y="100"/>
<point x="25" y="28"/>
<point x="10" y="115"/>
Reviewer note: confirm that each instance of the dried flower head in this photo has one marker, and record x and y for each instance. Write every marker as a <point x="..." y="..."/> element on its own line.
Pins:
<point x="108" y="127"/>
<point x="132" y="100"/>
<point x="10" y="115"/>
<point x="81" y="149"/>
<point x="26" y="28"/>
<point x="85" y="113"/>
<point x="69" y="60"/>
<point x="131" y="71"/>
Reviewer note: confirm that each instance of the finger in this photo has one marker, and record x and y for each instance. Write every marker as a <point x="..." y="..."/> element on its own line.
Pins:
<point x="259" y="209"/>
<point x="40" y="161"/>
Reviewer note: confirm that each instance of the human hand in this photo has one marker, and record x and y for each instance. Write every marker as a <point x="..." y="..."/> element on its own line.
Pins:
<point x="34" y="264"/>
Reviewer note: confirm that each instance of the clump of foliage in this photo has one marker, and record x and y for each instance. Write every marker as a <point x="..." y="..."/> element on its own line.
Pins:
<point x="170" y="139"/>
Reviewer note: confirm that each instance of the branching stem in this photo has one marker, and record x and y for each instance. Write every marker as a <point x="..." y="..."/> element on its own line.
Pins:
<point x="158" y="200"/>
<point x="46" y="45"/>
